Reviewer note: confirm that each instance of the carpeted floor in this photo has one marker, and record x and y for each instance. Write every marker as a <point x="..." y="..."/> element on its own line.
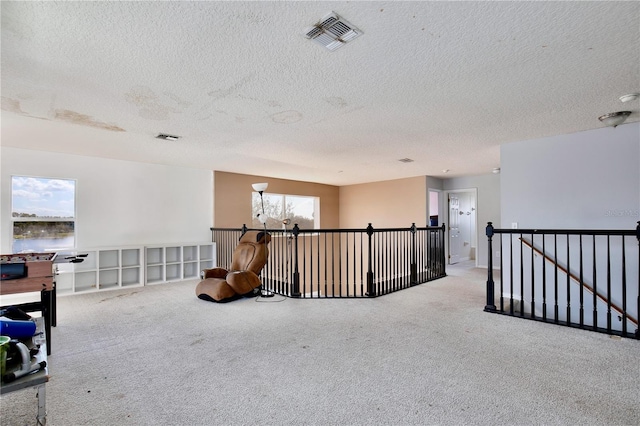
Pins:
<point x="157" y="355"/>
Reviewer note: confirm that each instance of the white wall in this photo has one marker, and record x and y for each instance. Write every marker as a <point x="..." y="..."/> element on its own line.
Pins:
<point x="118" y="202"/>
<point x="579" y="181"/>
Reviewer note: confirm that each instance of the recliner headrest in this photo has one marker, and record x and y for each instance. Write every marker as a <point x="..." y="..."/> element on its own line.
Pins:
<point x="255" y="237"/>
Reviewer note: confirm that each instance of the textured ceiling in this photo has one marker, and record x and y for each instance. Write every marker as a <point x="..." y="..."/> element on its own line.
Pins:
<point x="442" y="83"/>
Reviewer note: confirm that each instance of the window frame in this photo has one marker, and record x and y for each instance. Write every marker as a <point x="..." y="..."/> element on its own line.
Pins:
<point x="45" y="219"/>
<point x="256" y="196"/>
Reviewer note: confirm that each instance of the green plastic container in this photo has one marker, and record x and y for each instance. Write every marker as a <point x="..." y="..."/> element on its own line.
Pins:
<point x="4" y="347"/>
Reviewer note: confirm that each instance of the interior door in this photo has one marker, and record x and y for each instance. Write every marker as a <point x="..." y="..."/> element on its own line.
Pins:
<point x="455" y="245"/>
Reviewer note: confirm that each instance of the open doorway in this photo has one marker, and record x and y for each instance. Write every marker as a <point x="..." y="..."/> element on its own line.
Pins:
<point x="462" y="226"/>
<point x="435" y="213"/>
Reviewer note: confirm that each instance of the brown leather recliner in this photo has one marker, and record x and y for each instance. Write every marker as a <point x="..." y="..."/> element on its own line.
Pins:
<point x="242" y="278"/>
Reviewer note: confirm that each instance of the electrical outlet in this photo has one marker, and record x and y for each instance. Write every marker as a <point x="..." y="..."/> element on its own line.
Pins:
<point x="497" y="253"/>
<point x="514" y="225"/>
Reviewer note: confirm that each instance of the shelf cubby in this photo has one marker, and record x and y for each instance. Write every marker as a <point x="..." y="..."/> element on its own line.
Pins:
<point x="130" y="277"/>
<point x="85" y="281"/>
<point x="109" y="259"/>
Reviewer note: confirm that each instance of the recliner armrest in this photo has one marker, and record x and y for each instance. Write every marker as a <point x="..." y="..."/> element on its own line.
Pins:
<point x="215" y="273"/>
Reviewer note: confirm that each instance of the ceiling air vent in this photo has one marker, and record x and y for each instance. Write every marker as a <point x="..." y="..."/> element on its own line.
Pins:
<point x="167" y="137"/>
<point x="406" y="160"/>
<point x="332" y="32"/>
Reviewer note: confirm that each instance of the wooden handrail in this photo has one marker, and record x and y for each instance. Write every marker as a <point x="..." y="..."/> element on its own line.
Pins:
<point x="577" y="280"/>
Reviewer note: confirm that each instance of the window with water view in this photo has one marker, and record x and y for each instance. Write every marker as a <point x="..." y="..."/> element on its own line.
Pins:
<point x="43" y="214"/>
<point x="278" y="207"/>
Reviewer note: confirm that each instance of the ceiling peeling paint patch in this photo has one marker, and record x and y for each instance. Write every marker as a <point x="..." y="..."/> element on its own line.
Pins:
<point x="150" y="105"/>
<point x="12" y="105"/>
<point x="177" y="100"/>
<point x="223" y="93"/>
<point x="84" y="120"/>
<point x="336" y="101"/>
<point x="286" y="117"/>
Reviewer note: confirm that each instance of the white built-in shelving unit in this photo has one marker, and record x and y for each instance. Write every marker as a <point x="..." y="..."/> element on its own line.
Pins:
<point x="176" y="262"/>
<point x="101" y="269"/>
<point x="109" y="268"/>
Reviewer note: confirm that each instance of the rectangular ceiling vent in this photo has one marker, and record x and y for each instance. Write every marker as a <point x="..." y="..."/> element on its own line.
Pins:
<point x="332" y="32"/>
<point x="167" y="137"/>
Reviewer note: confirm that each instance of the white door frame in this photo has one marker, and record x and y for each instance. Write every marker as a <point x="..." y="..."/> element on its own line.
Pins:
<point x="474" y="192"/>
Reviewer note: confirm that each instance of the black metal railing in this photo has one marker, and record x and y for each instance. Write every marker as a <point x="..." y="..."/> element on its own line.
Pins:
<point x="588" y="279"/>
<point x="339" y="263"/>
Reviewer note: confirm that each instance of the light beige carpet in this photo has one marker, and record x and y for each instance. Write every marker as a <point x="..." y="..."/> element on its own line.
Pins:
<point x="157" y="355"/>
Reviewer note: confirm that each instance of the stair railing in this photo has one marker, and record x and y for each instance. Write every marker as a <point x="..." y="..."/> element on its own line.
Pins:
<point x="619" y="270"/>
<point x="577" y="280"/>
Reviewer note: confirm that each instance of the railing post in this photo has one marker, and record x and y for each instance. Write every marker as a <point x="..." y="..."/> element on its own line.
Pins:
<point x="443" y="255"/>
<point x="244" y="228"/>
<point x="491" y="303"/>
<point x="413" y="279"/>
<point x="371" y="291"/>
<point x="638" y="311"/>
<point x="295" y="282"/>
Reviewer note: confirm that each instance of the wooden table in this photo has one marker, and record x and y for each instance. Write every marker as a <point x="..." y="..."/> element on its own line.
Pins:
<point x="39" y="278"/>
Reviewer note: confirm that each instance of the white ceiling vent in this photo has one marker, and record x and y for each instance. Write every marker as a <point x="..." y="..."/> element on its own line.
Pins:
<point x="332" y="32"/>
<point x="167" y="137"/>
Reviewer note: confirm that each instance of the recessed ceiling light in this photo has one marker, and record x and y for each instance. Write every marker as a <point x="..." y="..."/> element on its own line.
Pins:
<point x="167" y="137"/>
<point x="445" y="170"/>
<point x="496" y="170"/>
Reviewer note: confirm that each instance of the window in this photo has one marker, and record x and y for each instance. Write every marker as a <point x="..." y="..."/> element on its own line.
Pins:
<point x="278" y="207"/>
<point x="43" y="213"/>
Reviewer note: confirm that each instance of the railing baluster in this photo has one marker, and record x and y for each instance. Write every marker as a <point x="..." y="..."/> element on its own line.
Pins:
<point x="326" y="271"/>
<point x="347" y="276"/>
<point x="533" y="282"/>
<point x="355" y="264"/>
<point x="521" y="302"/>
<point x="555" y="280"/>
<point x="624" y="288"/>
<point x="360" y="274"/>
<point x="522" y="275"/>
<point x="308" y="289"/>
<point x="336" y="270"/>
<point x="511" y="280"/>
<point x="386" y="257"/>
<point x="608" y="284"/>
<point x="595" y="285"/>
<point x="370" y="289"/>
<point x="544" y="280"/>
<point x="502" y="280"/>
<point x="581" y="285"/>
<point x="387" y="271"/>
<point x="568" y="282"/>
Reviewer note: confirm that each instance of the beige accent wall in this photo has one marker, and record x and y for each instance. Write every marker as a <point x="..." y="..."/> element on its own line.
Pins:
<point x="389" y="204"/>
<point x="232" y="198"/>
